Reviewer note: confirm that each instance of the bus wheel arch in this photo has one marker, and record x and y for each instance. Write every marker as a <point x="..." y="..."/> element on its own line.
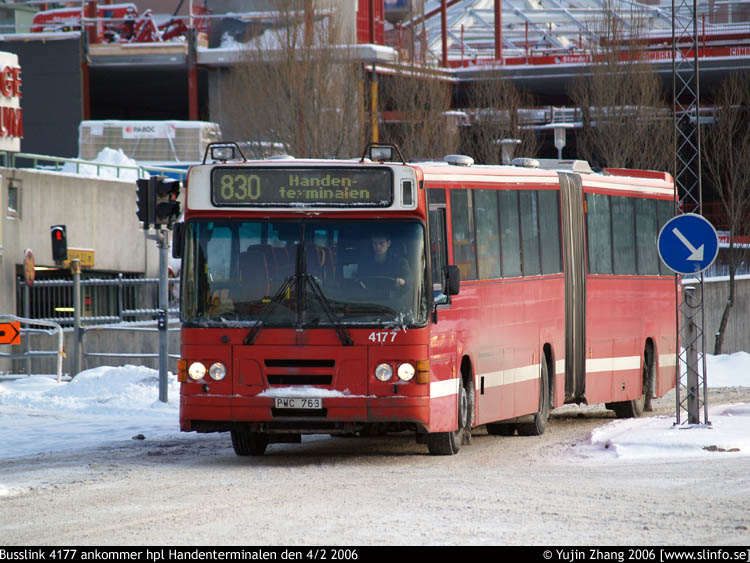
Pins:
<point x="635" y="407"/>
<point x="538" y="425"/>
<point x="449" y="443"/>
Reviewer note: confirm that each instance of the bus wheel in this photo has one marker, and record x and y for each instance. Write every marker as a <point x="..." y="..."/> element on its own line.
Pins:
<point x="448" y="443"/>
<point x="501" y="429"/>
<point x="539" y="425"/>
<point x="635" y="407"/>
<point x="249" y="443"/>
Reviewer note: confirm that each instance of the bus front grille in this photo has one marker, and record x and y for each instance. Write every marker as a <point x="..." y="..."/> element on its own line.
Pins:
<point x="299" y="379"/>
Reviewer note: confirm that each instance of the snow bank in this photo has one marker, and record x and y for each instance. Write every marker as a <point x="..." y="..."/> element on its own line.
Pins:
<point x="106" y="156"/>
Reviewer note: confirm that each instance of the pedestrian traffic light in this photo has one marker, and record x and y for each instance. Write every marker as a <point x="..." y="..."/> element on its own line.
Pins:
<point x="144" y="200"/>
<point x="59" y="243"/>
<point x="165" y="193"/>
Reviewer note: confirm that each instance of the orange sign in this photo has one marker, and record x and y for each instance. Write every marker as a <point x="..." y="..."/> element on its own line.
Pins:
<point x="10" y="333"/>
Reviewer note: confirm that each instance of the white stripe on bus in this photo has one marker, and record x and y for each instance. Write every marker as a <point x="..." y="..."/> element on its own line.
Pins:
<point x="509" y="376"/>
<point x="444" y="388"/>
<point x="594" y="365"/>
<point x="630" y="188"/>
<point x="480" y="178"/>
<point x="531" y="372"/>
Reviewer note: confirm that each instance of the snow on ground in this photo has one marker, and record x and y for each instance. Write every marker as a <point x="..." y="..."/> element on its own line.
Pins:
<point x="109" y="404"/>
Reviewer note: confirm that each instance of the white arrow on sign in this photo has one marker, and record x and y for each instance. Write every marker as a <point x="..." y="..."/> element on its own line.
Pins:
<point x="696" y="254"/>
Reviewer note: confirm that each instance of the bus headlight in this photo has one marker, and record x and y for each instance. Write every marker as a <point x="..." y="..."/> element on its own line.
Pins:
<point x="217" y="371"/>
<point x="383" y="372"/>
<point x="196" y="371"/>
<point x="406" y="372"/>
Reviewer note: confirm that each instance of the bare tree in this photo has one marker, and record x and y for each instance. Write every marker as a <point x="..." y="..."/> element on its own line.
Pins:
<point x="418" y="118"/>
<point x="626" y="121"/>
<point x="295" y="89"/>
<point x="726" y="160"/>
<point x="495" y="109"/>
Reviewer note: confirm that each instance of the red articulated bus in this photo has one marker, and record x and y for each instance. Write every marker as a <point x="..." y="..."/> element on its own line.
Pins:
<point x="371" y="296"/>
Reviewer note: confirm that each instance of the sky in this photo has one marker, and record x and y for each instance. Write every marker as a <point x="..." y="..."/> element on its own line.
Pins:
<point x="104" y="406"/>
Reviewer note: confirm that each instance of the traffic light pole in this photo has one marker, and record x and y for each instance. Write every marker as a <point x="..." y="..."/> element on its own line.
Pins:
<point x="162" y="241"/>
<point x="75" y="268"/>
<point x="158" y="207"/>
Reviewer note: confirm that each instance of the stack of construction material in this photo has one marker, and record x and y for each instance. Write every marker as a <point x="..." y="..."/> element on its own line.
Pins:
<point x="151" y="141"/>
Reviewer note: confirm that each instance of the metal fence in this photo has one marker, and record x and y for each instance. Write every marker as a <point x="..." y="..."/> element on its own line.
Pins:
<point x="53" y="329"/>
<point x="115" y="300"/>
<point x="124" y="307"/>
<point x="11" y="159"/>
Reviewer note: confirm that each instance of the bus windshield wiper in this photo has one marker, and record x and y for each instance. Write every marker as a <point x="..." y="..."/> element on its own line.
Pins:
<point x="318" y="292"/>
<point x="277" y="298"/>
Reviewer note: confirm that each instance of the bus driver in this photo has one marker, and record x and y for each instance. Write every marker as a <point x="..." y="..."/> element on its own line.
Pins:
<point x="384" y="262"/>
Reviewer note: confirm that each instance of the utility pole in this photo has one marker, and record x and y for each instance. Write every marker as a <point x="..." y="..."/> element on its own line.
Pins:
<point x="690" y="389"/>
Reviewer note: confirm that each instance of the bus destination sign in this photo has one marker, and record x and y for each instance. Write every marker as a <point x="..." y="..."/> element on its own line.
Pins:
<point x="301" y="187"/>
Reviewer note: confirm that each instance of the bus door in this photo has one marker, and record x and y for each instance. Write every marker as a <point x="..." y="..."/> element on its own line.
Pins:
<point x="571" y="187"/>
<point x="437" y="232"/>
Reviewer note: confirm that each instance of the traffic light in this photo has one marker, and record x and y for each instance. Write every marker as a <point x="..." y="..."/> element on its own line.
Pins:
<point x="157" y="201"/>
<point x="59" y="243"/>
<point x="165" y="193"/>
<point x="144" y="200"/>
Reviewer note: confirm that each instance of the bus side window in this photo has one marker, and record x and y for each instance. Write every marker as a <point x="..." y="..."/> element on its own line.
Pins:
<point x="462" y="222"/>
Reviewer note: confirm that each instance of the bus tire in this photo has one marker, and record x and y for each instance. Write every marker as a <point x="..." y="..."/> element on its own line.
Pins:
<point x="539" y="425"/>
<point x="448" y="443"/>
<point x="249" y="443"/>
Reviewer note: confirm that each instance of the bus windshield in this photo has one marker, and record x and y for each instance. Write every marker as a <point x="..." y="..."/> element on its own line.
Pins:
<point x="296" y="273"/>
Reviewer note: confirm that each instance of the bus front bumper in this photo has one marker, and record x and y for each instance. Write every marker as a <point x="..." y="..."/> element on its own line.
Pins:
<point x="209" y="413"/>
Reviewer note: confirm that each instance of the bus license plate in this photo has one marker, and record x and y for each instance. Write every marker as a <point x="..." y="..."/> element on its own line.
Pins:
<point x="305" y="403"/>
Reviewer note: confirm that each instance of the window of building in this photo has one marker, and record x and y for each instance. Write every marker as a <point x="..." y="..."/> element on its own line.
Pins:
<point x="14" y="197"/>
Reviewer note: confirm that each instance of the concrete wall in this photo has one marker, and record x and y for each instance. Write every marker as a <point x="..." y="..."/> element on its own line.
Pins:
<point x="715" y="294"/>
<point x="100" y="214"/>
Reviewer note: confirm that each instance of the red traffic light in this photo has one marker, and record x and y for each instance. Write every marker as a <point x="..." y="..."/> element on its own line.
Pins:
<point x="59" y="243"/>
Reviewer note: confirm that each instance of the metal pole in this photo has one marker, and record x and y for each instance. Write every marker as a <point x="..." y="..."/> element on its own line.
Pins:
<point x="691" y="354"/>
<point x="163" y="243"/>
<point x="444" y="33"/>
<point x="75" y="268"/>
<point x="120" y="297"/>
<point x="499" y="30"/>
<point x="27" y="314"/>
<point x="374" y="134"/>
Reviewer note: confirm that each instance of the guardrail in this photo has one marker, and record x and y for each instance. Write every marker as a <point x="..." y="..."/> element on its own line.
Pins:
<point x="29" y="354"/>
<point x="79" y="166"/>
<point x="87" y="329"/>
<point x="116" y="301"/>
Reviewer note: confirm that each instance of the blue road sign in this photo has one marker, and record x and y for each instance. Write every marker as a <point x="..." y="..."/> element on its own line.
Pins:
<point x="688" y="243"/>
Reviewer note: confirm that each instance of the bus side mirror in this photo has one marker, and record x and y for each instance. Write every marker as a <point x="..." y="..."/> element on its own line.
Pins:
<point x="452" y="280"/>
<point x="178" y="230"/>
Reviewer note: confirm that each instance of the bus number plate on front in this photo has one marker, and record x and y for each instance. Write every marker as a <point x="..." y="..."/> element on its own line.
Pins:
<point x="305" y="403"/>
